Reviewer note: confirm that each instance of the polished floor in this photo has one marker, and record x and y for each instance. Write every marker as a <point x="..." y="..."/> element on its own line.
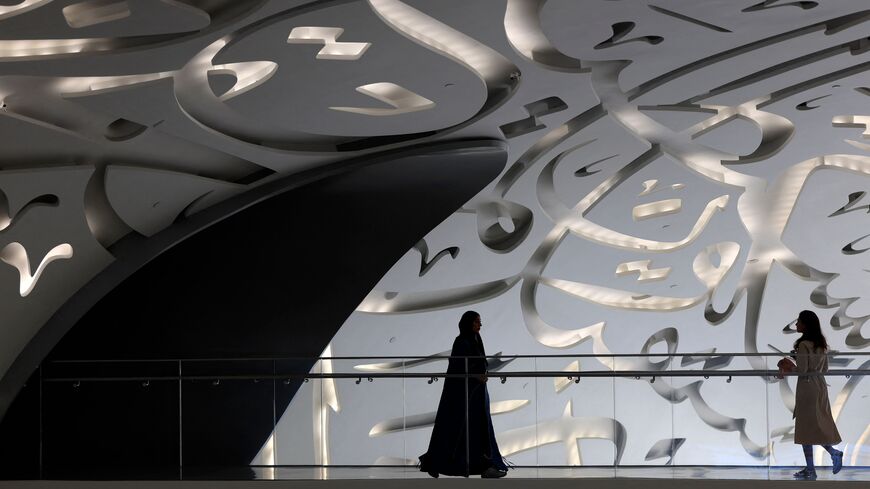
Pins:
<point x="520" y="478"/>
<point x="348" y="473"/>
<point x="751" y="477"/>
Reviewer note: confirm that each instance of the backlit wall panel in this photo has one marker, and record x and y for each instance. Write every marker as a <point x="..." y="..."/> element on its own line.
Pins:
<point x="682" y="178"/>
<point x="690" y="203"/>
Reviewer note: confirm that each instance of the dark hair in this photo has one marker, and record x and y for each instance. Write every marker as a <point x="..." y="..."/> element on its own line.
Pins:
<point x="466" y="321"/>
<point x="812" y="330"/>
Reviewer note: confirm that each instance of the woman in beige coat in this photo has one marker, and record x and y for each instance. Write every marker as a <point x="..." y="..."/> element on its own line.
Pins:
<point x="813" y="424"/>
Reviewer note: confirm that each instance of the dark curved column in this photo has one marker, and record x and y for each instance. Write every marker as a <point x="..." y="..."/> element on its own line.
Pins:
<point x="275" y="271"/>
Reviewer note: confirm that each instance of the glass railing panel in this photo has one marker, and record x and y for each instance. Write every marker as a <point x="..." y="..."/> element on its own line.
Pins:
<point x="722" y="418"/>
<point x="644" y="409"/>
<point x="82" y="402"/>
<point x="572" y="416"/>
<point x="20" y="433"/>
<point x="213" y="394"/>
<point x="781" y="401"/>
<point x="296" y="440"/>
<point x="849" y="395"/>
<point x="576" y="425"/>
<point x="363" y="416"/>
<point x="423" y="389"/>
<point x="512" y="398"/>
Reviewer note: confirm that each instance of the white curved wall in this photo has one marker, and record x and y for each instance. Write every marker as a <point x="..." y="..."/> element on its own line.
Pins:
<point x="620" y="226"/>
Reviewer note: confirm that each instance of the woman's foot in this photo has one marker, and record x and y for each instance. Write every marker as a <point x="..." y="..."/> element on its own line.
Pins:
<point x="837" y="458"/>
<point x="805" y="474"/>
<point x="433" y="474"/>
<point x="493" y="473"/>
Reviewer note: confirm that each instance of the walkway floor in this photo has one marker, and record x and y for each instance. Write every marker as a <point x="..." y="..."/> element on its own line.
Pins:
<point x="539" y="478"/>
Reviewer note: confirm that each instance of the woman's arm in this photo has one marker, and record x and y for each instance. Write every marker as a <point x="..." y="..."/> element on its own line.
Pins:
<point x="786" y="366"/>
<point x="463" y="360"/>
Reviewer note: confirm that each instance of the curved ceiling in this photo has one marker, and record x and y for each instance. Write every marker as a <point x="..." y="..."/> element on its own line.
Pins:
<point x="123" y="117"/>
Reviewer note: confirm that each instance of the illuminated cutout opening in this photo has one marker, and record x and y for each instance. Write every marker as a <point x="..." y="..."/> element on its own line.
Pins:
<point x="643" y="271"/>
<point x="11" y="10"/>
<point x="656" y="209"/>
<point x="401" y="99"/>
<point x="246" y="76"/>
<point x="328" y="36"/>
<point x="857" y="121"/>
<point x="7" y="217"/>
<point x="15" y="255"/>
<point x="94" y="12"/>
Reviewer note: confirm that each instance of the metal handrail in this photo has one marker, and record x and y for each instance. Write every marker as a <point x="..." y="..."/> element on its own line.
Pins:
<point x="443" y="357"/>
<point x="638" y="374"/>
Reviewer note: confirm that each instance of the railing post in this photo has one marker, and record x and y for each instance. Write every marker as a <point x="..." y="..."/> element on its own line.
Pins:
<point x="274" y="415"/>
<point x="40" y="423"/>
<point x="613" y="423"/>
<point x="766" y="381"/>
<point x="180" y="425"/>
<point x="467" y="448"/>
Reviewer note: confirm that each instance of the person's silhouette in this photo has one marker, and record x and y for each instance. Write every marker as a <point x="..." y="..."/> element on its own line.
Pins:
<point x="454" y="447"/>
<point x="814" y="424"/>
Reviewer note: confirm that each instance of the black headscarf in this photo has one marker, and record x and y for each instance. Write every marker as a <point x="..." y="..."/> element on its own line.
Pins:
<point x="466" y="329"/>
<point x="466" y="323"/>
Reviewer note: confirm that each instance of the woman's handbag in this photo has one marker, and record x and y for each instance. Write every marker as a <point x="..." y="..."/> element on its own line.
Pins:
<point x="786" y="366"/>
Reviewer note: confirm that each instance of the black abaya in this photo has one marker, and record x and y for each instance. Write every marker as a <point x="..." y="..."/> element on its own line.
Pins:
<point x="447" y="446"/>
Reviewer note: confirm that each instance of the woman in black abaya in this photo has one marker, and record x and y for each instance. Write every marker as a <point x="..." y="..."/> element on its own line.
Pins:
<point x="447" y="447"/>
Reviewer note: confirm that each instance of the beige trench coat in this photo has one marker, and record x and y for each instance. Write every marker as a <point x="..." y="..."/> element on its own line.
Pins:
<point x="813" y="423"/>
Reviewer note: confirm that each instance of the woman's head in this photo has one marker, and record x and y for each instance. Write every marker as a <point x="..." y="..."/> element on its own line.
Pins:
<point x="469" y="323"/>
<point x="810" y="328"/>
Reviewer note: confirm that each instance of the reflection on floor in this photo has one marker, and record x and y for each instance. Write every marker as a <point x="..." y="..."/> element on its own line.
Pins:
<point x="399" y="473"/>
<point x="728" y="473"/>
